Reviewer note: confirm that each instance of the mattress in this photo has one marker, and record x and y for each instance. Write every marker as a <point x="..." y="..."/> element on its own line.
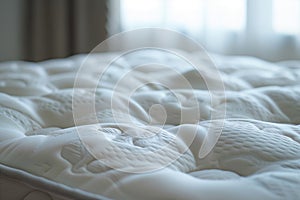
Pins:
<point x="149" y="125"/>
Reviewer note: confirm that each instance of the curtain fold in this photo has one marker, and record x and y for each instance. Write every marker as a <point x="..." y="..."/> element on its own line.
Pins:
<point x="60" y="28"/>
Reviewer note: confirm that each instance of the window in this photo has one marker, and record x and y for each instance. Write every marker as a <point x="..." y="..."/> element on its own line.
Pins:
<point x="250" y="27"/>
<point x="141" y="13"/>
<point x="286" y="16"/>
<point x="184" y="15"/>
<point x="228" y="15"/>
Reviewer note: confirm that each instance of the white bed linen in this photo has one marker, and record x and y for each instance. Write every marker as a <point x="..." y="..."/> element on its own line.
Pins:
<point x="256" y="157"/>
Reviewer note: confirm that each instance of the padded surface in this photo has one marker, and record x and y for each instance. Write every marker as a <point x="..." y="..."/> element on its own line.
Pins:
<point x="119" y="147"/>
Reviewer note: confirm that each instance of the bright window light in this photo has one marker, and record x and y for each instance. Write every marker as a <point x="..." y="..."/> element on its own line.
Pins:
<point x="141" y="13"/>
<point x="228" y="15"/>
<point x="286" y="16"/>
<point x="190" y="15"/>
<point x="184" y="14"/>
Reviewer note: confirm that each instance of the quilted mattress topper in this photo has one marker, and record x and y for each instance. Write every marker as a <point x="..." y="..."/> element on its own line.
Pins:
<point x="138" y="132"/>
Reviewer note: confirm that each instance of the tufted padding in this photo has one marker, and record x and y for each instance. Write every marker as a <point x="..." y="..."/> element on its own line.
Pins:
<point x="144" y="143"/>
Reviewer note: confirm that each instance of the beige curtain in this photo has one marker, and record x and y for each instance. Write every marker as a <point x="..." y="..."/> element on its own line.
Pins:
<point x="60" y="28"/>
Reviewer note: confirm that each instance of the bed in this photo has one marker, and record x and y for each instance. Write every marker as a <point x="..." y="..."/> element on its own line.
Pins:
<point x="113" y="127"/>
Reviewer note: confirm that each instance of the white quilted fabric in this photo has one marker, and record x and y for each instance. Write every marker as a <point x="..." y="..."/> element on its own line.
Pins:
<point x="124" y="152"/>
